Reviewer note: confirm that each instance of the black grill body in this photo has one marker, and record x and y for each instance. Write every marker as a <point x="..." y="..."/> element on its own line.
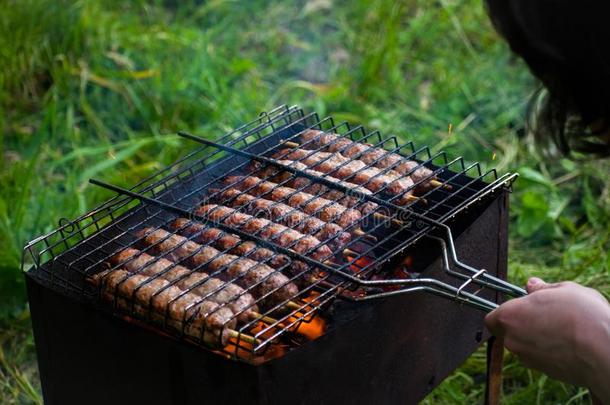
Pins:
<point x="388" y="350"/>
<point x="392" y="351"/>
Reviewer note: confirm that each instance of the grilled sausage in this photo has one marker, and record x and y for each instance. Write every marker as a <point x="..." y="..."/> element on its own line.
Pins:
<point x="284" y="214"/>
<point x="233" y="244"/>
<point x="322" y="208"/>
<point x="353" y="170"/>
<point x="155" y="298"/>
<point x="371" y="155"/>
<point x="240" y="302"/>
<point x="259" y="279"/>
<point x="265" y="229"/>
<point x="288" y="179"/>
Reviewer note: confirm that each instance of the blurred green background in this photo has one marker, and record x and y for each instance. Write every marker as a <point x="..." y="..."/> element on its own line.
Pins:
<point x="98" y="88"/>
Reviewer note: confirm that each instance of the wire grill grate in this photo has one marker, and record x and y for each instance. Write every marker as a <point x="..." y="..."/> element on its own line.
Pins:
<point x="175" y="265"/>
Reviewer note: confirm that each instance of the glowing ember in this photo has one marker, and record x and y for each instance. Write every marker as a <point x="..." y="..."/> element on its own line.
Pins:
<point x="312" y="329"/>
<point x="405" y="269"/>
<point x="243" y="349"/>
<point x="360" y="264"/>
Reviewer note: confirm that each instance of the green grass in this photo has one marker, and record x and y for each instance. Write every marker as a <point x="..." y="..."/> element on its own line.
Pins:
<point x="97" y="88"/>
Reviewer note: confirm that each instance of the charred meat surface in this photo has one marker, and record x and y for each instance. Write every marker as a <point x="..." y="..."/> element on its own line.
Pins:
<point x="222" y="293"/>
<point x="258" y="278"/>
<point x="285" y="215"/>
<point x="226" y="241"/>
<point x="304" y="184"/>
<point x="353" y="170"/>
<point x="371" y="155"/>
<point x="322" y="208"/>
<point x="233" y="244"/>
<point x="265" y="229"/>
<point x="163" y="302"/>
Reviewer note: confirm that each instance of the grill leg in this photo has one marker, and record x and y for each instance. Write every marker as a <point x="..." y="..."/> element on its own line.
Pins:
<point x="495" y="359"/>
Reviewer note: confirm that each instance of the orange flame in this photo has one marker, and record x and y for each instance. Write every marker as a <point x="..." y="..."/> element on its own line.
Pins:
<point x="311" y="326"/>
<point x="312" y="329"/>
<point x="404" y="269"/>
<point x="244" y="349"/>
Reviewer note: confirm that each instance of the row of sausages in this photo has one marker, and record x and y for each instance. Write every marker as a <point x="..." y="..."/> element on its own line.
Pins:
<point x="234" y="277"/>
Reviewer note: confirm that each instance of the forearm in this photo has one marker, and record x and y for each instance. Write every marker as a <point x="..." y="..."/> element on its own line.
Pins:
<point x="599" y="341"/>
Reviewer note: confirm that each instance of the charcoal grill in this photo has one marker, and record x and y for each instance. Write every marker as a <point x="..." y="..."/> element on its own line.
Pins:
<point x="384" y="317"/>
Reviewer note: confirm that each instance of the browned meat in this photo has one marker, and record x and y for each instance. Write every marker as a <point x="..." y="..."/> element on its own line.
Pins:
<point x="233" y="244"/>
<point x="322" y="208"/>
<point x="257" y="278"/>
<point x="353" y="170"/>
<point x="304" y="184"/>
<point x="225" y="241"/>
<point x="284" y="214"/>
<point x="371" y="155"/>
<point x="155" y="298"/>
<point x="265" y="229"/>
<point x="239" y="301"/>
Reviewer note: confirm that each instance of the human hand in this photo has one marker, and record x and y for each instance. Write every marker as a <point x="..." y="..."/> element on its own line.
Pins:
<point x="562" y="329"/>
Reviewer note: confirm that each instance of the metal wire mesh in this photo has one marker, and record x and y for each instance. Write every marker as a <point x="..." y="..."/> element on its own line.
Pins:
<point x="245" y="266"/>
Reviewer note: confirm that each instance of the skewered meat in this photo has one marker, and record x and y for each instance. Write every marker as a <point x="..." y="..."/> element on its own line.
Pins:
<point x="256" y="277"/>
<point x="233" y="244"/>
<point x="265" y="229"/>
<point x="225" y="241"/>
<point x="353" y="170"/>
<point x="157" y="299"/>
<point x="286" y="215"/>
<point x="371" y="155"/>
<point x="322" y="208"/>
<point x="277" y="233"/>
<point x="240" y="302"/>
<point x="304" y="184"/>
